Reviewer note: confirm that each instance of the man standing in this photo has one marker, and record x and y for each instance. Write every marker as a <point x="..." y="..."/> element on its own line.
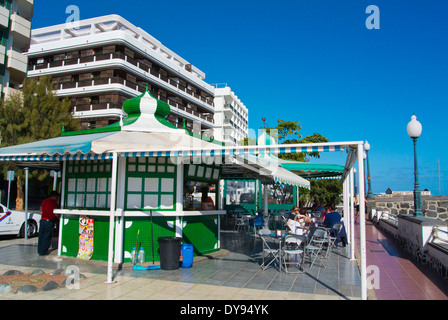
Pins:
<point x="47" y="223"/>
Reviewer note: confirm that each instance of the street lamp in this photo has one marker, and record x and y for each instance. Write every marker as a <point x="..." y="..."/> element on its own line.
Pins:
<point x="414" y="129"/>
<point x="369" y="193"/>
<point x="365" y="172"/>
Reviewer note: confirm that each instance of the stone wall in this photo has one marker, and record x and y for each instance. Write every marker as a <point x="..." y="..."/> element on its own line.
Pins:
<point x="432" y="206"/>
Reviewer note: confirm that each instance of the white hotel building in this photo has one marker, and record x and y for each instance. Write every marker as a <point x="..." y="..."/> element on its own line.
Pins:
<point x="107" y="60"/>
<point x="15" y="29"/>
<point x="231" y="116"/>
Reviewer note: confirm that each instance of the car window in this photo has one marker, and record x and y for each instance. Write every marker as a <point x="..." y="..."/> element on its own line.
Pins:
<point x="2" y="209"/>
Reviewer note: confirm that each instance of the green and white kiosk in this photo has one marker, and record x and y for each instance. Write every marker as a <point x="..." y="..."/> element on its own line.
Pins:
<point x="141" y="176"/>
<point x="144" y="176"/>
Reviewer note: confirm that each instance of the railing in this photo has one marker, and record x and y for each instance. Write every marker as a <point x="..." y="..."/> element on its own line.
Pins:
<point x="97" y="106"/>
<point x="439" y="235"/>
<point x="119" y="55"/>
<point x="385" y="216"/>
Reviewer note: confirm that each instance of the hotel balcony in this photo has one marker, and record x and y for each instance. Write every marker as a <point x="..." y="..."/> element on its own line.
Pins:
<point x="17" y="64"/>
<point x="127" y="87"/>
<point x="4" y="17"/>
<point x="118" y="59"/>
<point x="2" y="55"/>
<point x="21" y="30"/>
<point x="7" y="91"/>
<point x="84" y="111"/>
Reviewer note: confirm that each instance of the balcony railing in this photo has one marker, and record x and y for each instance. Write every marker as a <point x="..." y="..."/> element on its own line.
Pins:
<point x="141" y="88"/>
<point x="122" y="56"/>
<point x="96" y="106"/>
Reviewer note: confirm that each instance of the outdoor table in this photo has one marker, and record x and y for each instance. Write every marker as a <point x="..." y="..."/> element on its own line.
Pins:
<point x="280" y="240"/>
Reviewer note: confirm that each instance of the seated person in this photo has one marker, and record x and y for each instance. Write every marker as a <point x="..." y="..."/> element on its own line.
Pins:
<point x="297" y="221"/>
<point x="331" y="218"/>
<point x="294" y="212"/>
<point x="304" y="213"/>
<point x="323" y="215"/>
<point x="318" y="207"/>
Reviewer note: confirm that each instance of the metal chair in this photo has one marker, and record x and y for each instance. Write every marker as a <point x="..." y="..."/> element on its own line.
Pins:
<point x="269" y="251"/>
<point x="240" y="223"/>
<point x="315" y="245"/>
<point x="333" y="236"/>
<point x="293" y="248"/>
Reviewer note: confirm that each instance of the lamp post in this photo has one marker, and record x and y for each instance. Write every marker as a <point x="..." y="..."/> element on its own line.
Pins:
<point x="365" y="172"/>
<point x="414" y="129"/>
<point x="369" y="193"/>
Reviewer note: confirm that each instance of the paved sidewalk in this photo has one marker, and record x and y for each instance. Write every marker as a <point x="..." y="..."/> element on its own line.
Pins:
<point x="401" y="278"/>
<point x="233" y="275"/>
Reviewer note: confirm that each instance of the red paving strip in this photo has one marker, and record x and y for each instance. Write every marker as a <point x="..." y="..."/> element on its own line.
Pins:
<point x="400" y="277"/>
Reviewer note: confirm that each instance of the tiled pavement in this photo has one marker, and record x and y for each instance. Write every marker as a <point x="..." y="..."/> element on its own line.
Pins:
<point x="400" y="278"/>
<point x="234" y="275"/>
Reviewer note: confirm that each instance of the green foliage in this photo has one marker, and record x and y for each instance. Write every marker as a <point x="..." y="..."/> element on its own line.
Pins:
<point x="33" y="115"/>
<point x="289" y="133"/>
<point x="327" y="192"/>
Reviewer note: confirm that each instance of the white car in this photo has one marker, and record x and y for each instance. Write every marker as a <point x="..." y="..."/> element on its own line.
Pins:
<point x="13" y="222"/>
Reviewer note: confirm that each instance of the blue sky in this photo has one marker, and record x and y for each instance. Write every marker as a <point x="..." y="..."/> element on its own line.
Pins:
<point x="315" y="62"/>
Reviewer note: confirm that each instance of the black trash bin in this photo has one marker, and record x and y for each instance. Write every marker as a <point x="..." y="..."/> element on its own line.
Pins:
<point x="169" y="252"/>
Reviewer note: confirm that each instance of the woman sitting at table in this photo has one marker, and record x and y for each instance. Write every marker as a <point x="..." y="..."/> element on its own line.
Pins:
<point x="323" y="214"/>
<point x="304" y="213"/>
<point x="297" y="221"/>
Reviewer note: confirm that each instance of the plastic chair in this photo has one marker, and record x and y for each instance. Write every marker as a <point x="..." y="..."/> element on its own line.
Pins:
<point x="293" y="248"/>
<point x="268" y="250"/>
<point x="258" y="222"/>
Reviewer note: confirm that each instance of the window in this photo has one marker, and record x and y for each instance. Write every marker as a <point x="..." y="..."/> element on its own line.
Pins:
<point x="150" y="184"/>
<point x="88" y="184"/>
<point x="240" y="192"/>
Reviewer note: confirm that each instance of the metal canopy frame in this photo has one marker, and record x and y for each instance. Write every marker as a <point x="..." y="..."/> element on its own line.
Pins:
<point x="355" y="153"/>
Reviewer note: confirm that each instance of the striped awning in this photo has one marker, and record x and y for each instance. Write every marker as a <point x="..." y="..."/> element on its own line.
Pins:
<point x="267" y="172"/>
<point x="145" y="144"/>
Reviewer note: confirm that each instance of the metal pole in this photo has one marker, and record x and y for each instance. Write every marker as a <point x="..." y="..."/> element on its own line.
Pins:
<point x="113" y="192"/>
<point x="417" y="193"/>
<point x="346" y="212"/>
<point x="362" y="224"/>
<point x="352" y="215"/>
<point x="9" y="193"/>
<point x="265" y="207"/>
<point x="55" y="180"/>
<point x="369" y="184"/>
<point x="26" y="203"/>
